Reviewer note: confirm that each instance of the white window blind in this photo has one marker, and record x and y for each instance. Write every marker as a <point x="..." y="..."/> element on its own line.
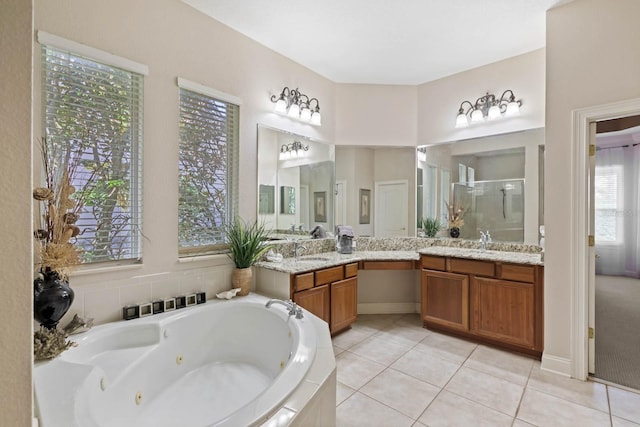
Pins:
<point x="208" y="170"/>
<point x="92" y="116"/>
<point x="608" y="203"/>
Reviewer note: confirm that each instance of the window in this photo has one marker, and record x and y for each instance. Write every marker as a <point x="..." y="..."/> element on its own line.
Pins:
<point x="207" y="168"/>
<point x="92" y="116"/>
<point x="430" y="186"/>
<point x="608" y="204"/>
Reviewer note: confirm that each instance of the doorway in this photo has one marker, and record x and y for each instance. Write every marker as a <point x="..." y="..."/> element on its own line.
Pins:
<point x="615" y="272"/>
<point x="391" y="208"/>
<point x="341" y="202"/>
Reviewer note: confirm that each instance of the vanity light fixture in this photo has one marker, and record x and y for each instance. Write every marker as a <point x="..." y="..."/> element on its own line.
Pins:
<point x="297" y="105"/>
<point x="488" y="107"/>
<point x="293" y="150"/>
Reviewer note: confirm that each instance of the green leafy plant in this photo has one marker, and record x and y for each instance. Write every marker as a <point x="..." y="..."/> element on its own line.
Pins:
<point x="247" y="242"/>
<point x="431" y="226"/>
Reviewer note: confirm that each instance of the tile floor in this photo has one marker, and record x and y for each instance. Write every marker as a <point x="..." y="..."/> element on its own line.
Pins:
<point x="392" y="372"/>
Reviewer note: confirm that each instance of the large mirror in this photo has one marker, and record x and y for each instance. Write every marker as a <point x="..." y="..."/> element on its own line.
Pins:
<point x="496" y="181"/>
<point x="296" y="182"/>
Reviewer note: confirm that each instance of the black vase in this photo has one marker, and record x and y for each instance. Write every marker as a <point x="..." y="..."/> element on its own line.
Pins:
<point x="52" y="298"/>
<point x="454" y="232"/>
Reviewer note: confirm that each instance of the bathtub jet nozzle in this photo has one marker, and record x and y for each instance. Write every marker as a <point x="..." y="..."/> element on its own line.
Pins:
<point x="293" y="308"/>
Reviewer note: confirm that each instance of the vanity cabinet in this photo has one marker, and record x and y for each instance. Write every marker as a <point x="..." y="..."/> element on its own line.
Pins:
<point x="445" y="299"/>
<point x="494" y="302"/>
<point x="329" y="293"/>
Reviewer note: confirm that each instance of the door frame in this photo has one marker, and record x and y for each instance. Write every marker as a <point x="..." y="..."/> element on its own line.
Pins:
<point x="580" y="253"/>
<point x="343" y="196"/>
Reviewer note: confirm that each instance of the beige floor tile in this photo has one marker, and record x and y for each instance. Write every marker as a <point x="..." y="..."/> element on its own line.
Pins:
<point x="449" y="409"/>
<point x="350" y="338"/>
<point x="402" y="331"/>
<point x="447" y="348"/>
<point x="381" y="350"/>
<point x="625" y="404"/>
<point x="360" y="410"/>
<point x="502" y="364"/>
<point x="621" y="422"/>
<point x="355" y="371"/>
<point x="401" y="392"/>
<point x="542" y="410"/>
<point x="337" y="350"/>
<point x="586" y="393"/>
<point x="487" y="390"/>
<point x="520" y="423"/>
<point x="426" y="367"/>
<point x="343" y="392"/>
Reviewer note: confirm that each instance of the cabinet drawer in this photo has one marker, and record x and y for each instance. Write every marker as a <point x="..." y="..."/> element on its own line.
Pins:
<point x="518" y="272"/>
<point x="351" y="270"/>
<point x="432" y="262"/>
<point x="470" y="266"/>
<point x="329" y="275"/>
<point x="388" y="265"/>
<point x="302" y="282"/>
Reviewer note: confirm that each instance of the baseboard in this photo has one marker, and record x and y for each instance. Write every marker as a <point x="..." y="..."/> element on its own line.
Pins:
<point x="557" y="365"/>
<point x="388" y="307"/>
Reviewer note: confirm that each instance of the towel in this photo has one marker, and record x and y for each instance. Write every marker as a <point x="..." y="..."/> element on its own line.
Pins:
<point x="344" y="230"/>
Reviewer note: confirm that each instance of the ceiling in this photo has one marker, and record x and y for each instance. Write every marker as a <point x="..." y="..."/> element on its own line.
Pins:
<point x="406" y="42"/>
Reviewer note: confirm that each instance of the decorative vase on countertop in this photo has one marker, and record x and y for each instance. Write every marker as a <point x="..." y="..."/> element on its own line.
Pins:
<point x="52" y="298"/>
<point x="454" y="232"/>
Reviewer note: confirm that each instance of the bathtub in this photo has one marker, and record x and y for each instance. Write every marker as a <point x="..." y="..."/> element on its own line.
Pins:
<point x="223" y="363"/>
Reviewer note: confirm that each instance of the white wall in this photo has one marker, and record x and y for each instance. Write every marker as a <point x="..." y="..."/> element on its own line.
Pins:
<point x="592" y="59"/>
<point x="16" y="34"/>
<point x="439" y="101"/>
<point x="372" y="115"/>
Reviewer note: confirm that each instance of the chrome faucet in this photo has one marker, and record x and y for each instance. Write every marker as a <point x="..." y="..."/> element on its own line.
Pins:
<point x="293" y="228"/>
<point x="293" y="308"/>
<point x="485" y="238"/>
<point x="299" y="247"/>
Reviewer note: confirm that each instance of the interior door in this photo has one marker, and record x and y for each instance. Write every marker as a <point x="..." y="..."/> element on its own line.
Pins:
<point x="304" y="207"/>
<point x="592" y="249"/>
<point x="341" y="203"/>
<point x="391" y="208"/>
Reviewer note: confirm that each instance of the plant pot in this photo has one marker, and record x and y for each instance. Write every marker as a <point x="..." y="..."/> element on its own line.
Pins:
<point x="52" y="298"/>
<point x="454" y="232"/>
<point x="241" y="278"/>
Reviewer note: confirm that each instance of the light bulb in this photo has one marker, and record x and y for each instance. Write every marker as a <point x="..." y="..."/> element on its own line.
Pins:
<point x="494" y="112"/>
<point x="281" y="106"/>
<point x="294" y="111"/>
<point x="462" y="121"/>
<point x="477" y="116"/>
<point x="316" y="118"/>
<point x="513" y="109"/>
<point x="305" y="114"/>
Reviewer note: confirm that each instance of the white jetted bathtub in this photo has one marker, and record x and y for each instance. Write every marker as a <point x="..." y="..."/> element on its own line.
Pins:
<point x="224" y="363"/>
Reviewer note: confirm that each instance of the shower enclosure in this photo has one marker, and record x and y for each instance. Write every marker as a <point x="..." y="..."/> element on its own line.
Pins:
<point x="497" y="206"/>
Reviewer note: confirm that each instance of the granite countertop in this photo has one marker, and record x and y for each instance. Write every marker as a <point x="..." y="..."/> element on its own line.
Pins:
<point x="489" y="255"/>
<point x="331" y="259"/>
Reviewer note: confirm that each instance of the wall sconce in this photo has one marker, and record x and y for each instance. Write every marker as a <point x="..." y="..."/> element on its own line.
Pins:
<point x="293" y="150"/>
<point x="297" y="105"/>
<point x="488" y="107"/>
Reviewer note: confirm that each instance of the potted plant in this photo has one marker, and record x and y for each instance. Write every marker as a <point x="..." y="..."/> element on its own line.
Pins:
<point x="247" y="244"/>
<point x="431" y="226"/>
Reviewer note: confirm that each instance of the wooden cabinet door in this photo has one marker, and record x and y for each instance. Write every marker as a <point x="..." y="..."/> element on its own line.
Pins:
<point x="344" y="304"/>
<point x="504" y="310"/>
<point x="445" y="299"/>
<point x="315" y="300"/>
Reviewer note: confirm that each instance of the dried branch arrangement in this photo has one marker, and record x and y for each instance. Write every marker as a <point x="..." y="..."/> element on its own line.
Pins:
<point x="456" y="215"/>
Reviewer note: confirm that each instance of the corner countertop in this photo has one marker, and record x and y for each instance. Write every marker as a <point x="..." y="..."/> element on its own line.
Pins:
<point x="332" y="259"/>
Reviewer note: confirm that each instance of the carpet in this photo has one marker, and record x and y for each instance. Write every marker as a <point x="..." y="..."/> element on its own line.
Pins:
<point x="617" y="357"/>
